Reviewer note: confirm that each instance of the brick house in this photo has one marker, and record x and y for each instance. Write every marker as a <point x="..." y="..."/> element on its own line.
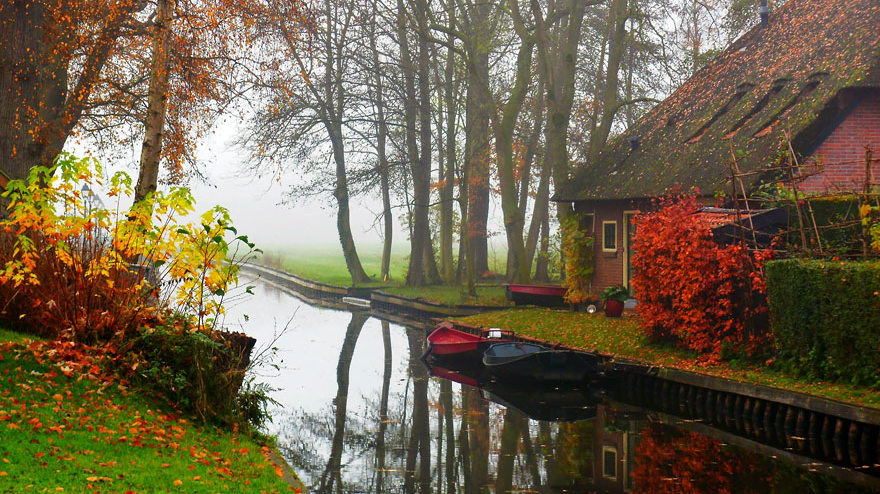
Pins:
<point x="812" y="69"/>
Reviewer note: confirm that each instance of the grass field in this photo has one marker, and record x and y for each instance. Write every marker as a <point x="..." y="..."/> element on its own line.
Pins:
<point x="623" y="337"/>
<point x="66" y="431"/>
<point x="327" y="265"/>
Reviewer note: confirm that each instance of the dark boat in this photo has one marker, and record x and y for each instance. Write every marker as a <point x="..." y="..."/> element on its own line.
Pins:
<point x="543" y="295"/>
<point x="446" y="341"/>
<point x="539" y="363"/>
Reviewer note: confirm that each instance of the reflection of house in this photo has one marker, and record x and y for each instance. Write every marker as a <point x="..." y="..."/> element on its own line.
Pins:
<point x="813" y="70"/>
<point x="614" y="451"/>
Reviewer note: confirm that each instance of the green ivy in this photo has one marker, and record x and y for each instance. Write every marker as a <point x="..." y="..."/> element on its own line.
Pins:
<point x="577" y="246"/>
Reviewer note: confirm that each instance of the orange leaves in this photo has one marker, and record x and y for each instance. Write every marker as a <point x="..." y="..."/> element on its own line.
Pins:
<point x="693" y="291"/>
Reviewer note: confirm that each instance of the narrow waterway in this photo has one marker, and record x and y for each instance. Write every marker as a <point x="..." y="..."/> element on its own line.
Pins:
<point x="359" y="412"/>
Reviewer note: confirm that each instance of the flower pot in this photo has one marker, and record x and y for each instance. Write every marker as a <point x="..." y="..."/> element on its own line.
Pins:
<point x="613" y="308"/>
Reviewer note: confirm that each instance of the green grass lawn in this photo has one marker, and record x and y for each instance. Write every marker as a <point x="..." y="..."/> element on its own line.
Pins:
<point x="327" y="265"/>
<point x="64" y="432"/>
<point x="622" y="337"/>
<point x="453" y="295"/>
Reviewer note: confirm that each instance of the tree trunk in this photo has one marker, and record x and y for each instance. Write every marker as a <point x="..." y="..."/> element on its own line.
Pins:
<point x="477" y="140"/>
<point x="37" y="112"/>
<point x="415" y="275"/>
<point x="542" y="271"/>
<point x="616" y="49"/>
<point x="422" y="194"/>
<point x="381" y="138"/>
<point x="154" y="126"/>
<point x="539" y="215"/>
<point x="503" y="124"/>
<point x="448" y="178"/>
<point x="343" y="221"/>
<point x="333" y="110"/>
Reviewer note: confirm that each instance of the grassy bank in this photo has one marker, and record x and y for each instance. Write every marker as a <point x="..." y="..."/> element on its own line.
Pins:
<point x="74" y="429"/>
<point x="622" y="337"/>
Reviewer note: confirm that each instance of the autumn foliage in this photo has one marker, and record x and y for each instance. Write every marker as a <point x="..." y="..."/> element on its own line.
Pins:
<point x="94" y="275"/>
<point x="692" y="291"/>
<point x="141" y="284"/>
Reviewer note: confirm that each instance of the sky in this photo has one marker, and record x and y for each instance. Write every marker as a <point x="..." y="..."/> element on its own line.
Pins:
<point x="257" y="203"/>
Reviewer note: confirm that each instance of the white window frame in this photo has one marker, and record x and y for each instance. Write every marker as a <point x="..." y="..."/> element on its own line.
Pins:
<point x="611" y="449"/>
<point x="605" y="249"/>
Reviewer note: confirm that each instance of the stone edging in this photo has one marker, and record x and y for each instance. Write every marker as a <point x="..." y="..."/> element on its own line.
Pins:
<point x="383" y="303"/>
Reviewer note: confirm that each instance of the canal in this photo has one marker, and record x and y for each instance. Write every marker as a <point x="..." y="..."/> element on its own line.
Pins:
<point x="359" y="412"/>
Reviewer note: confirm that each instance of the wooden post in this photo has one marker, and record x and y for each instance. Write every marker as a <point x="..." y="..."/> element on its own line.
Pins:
<point x="792" y="166"/>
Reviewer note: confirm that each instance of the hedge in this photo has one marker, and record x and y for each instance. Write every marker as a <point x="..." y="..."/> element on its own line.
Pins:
<point x="825" y="317"/>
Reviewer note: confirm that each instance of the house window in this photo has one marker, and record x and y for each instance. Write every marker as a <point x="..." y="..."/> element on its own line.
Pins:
<point x="609" y="462"/>
<point x="586" y="223"/>
<point x="609" y="236"/>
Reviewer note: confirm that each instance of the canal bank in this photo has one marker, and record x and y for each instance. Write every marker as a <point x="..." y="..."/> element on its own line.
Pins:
<point x="383" y="303"/>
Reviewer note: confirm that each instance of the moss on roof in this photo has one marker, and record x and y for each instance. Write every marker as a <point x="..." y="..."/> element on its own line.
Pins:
<point x="787" y="75"/>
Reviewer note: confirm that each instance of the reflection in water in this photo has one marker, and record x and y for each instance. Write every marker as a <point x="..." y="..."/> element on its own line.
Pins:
<point x="380" y="424"/>
<point x="383" y="409"/>
<point x="333" y="470"/>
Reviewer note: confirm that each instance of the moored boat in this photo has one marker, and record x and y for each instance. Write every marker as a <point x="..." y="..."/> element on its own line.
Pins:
<point x="447" y="341"/>
<point x="543" y="295"/>
<point x="537" y="362"/>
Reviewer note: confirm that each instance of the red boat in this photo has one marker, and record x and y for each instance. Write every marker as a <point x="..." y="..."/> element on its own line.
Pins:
<point x="445" y="340"/>
<point x="544" y="295"/>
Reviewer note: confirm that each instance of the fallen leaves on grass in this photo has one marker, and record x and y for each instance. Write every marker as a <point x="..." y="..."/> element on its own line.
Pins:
<point x="70" y="424"/>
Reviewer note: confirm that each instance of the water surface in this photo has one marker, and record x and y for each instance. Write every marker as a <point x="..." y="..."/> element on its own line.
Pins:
<point x="360" y="413"/>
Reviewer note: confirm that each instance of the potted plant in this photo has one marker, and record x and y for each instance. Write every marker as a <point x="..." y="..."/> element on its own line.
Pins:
<point x="614" y="297"/>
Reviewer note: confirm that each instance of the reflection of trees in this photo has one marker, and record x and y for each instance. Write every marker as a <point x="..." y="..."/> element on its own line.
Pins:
<point x="332" y="471"/>
<point x="383" y="409"/>
<point x="420" y="439"/>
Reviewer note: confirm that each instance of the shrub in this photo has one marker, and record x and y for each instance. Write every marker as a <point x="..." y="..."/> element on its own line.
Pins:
<point x="200" y="372"/>
<point x="692" y="291"/>
<point x="577" y="247"/>
<point x="825" y="317"/>
<point x="140" y="282"/>
<point x="90" y="274"/>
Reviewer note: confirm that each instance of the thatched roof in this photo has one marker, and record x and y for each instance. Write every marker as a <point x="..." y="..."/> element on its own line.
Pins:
<point x="793" y="74"/>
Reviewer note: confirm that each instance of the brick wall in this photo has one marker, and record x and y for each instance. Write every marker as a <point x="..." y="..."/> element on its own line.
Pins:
<point x="609" y="266"/>
<point x="842" y="153"/>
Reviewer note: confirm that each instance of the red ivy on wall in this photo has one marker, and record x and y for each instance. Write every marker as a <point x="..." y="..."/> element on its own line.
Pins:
<point x="691" y="290"/>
